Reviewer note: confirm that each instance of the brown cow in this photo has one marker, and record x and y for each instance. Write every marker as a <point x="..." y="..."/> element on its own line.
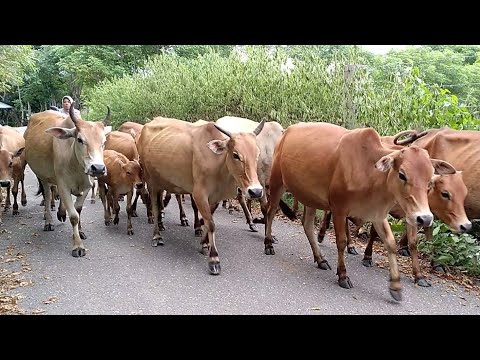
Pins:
<point x="123" y="175"/>
<point x="182" y="158"/>
<point x="65" y="152"/>
<point x="12" y="165"/>
<point x="266" y="142"/>
<point x="351" y="173"/>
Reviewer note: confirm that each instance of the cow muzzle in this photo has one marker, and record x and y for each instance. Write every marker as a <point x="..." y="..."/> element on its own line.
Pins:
<point x="254" y="192"/>
<point x="421" y="219"/>
<point x="5" y="183"/>
<point x="97" y="170"/>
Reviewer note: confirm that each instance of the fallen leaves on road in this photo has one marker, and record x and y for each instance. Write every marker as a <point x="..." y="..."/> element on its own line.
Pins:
<point x="50" y="300"/>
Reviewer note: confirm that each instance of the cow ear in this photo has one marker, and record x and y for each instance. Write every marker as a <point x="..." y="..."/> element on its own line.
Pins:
<point x="61" y="133"/>
<point x="218" y="146"/>
<point x="385" y="163"/>
<point x="442" y="167"/>
<point x="18" y="153"/>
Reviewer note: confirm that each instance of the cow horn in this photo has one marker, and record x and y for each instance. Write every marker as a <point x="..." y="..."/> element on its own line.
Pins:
<point x="107" y="119"/>
<point x="223" y="131"/>
<point x="259" y="127"/>
<point x="71" y="112"/>
<point x="411" y="137"/>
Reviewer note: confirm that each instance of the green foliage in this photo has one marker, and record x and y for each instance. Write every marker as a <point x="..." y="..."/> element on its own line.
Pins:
<point x="15" y="60"/>
<point x="461" y="251"/>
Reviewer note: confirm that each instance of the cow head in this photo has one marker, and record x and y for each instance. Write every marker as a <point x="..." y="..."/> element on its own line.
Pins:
<point x="446" y="199"/>
<point x="89" y="142"/>
<point x="241" y="160"/>
<point x="410" y="172"/>
<point x="133" y="171"/>
<point x="7" y="160"/>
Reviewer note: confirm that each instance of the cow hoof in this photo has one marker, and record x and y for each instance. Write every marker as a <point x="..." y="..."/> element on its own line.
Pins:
<point x="367" y="262"/>
<point x="6" y="207"/>
<point x="259" y="220"/>
<point x="253" y="227"/>
<point x="352" y="250"/>
<point x="396" y="294"/>
<point x="116" y="220"/>
<point x="92" y="201"/>
<point x="15" y="212"/>
<point x="274" y="239"/>
<point x="48" y="227"/>
<point x="134" y="213"/>
<point x="52" y="208"/>
<point x="269" y="250"/>
<point x="214" y="268"/>
<point x="108" y="222"/>
<point x="61" y="216"/>
<point x="439" y="268"/>
<point x="404" y="251"/>
<point x="82" y="235"/>
<point x="320" y="238"/>
<point x="79" y="252"/>
<point x="24" y="202"/>
<point x="423" y="282"/>
<point x="129" y="232"/>
<point x="156" y="242"/>
<point x="198" y="232"/>
<point x="184" y="222"/>
<point x="345" y="283"/>
<point x="324" y="265"/>
<point x="42" y="203"/>
<point x="161" y="227"/>
<point x="150" y="220"/>
<point x="230" y="211"/>
<point x="120" y="198"/>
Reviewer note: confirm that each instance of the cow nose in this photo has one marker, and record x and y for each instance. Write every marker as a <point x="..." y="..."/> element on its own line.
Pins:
<point x="255" y="193"/>
<point x="466" y="227"/>
<point x="139" y="185"/>
<point x="424" y="220"/>
<point x="5" y="183"/>
<point x="97" y="169"/>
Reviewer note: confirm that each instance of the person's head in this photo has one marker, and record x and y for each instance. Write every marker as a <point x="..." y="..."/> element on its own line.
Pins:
<point x="67" y="102"/>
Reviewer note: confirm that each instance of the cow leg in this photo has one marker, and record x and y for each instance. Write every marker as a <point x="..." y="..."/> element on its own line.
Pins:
<point x="350" y="244"/>
<point x="61" y="212"/>
<point x="404" y="248"/>
<point x="149" y="208"/>
<point x="209" y="229"/>
<point x="79" y="201"/>
<point x="134" y="204"/>
<point x="412" y="246"/>
<point x="157" y="238"/>
<point x="55" y="196"/>
<point x="129" y="213"/>
<point x="7" y="199"/>
<point x="24" y="194"/>
<point x="183" y="217"/>
<point x="106" y="208"/>
<point x="92" y="197"/>
<point x="247" y="213"/>
<point x="276" y="191"/>
<point x="224" y="204"/>
<point x="116" y="206"/>
<point x="385" y="233"/>
<point x="67" y="201"/>
<point x="47" y="215"/>
<point x="339" y="223"/>
<point x="15" y="194"/>
<point x="367" y="256"/>
<point x="327" y="217"/>
<point x="309" y="228"/>
<point x="196" y="225"/>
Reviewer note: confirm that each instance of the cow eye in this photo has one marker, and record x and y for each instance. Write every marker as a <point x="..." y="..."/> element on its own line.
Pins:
<point x="11" y="164"/>
<point x="80" y="141"/>
<point x="402" y="177"/>
<point x="445" y="195"/>
<point x="129" y="173"/>
<point x="236" y="156"/>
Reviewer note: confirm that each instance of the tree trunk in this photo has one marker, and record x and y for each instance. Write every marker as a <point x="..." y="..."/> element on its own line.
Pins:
<point x="21" y="105"/>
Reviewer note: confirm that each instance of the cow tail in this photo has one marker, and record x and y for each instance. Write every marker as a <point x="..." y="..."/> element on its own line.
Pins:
<point x="287" y="211"/>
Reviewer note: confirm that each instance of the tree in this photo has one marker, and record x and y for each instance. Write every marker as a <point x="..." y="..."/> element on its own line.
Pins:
<point x="15" y="60"/>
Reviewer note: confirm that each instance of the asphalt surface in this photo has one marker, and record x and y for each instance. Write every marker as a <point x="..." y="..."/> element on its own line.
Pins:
<point x="123" y="274"/>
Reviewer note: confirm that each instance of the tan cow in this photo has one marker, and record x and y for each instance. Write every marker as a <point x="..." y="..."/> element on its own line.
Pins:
<point x="351" y="173"/>
<point x="133" y="128"/>
<point x="266" y="142"/>
<point x="65" y="152"/>
<point x="12" y="165"/>
<point x="123" y="175"/>
<point x="182" y="158"/>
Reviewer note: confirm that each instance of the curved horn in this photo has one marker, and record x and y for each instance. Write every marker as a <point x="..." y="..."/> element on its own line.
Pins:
<point x="54" y="108"/>
<point x="223" y="131"/>
<point x="422" y="134"/>
<point x="259" y="127"/>
<point x="71" y="112"/>
<point x="108" y="117"/>
<point x="411" y="138"/>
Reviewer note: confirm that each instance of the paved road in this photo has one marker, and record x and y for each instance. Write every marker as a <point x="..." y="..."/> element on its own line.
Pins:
<point x="123" y="274"/>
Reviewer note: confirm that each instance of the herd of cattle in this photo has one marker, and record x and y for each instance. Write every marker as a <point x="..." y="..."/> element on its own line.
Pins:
<point x="353" y="175"/>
